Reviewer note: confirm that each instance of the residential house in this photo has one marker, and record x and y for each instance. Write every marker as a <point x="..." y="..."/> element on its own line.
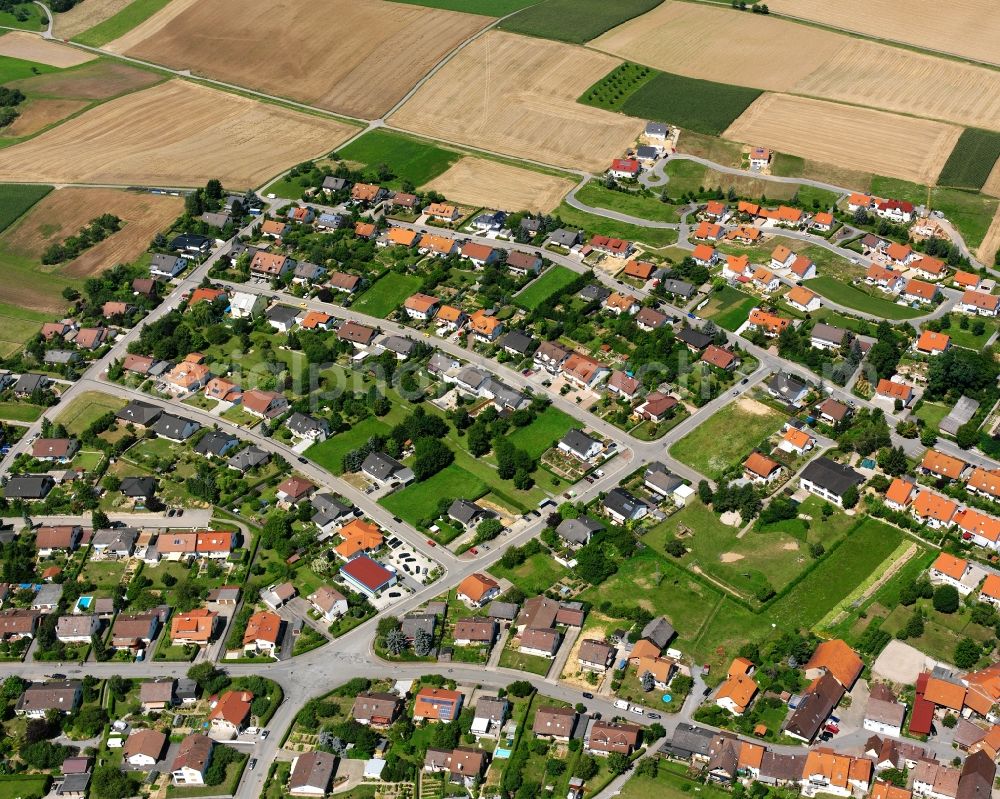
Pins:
<point x="578" y="532"/>
<point x="143" y="749"/>
<point x="39" y="698"/>
<point x="308" y="428"/>
<point x="704" y="255"/>
<point x="760" y="469"/>
<point x="522" y="263"/>
<point x="796" y="441"/>
<point x="359" y="538"/>
<point x="595" y="655"/>
<point x="622" y="507"/>
<point x="263" y="633"/>
<point x="814" y="708"/>
<point x="477" y="589"/>
<point x="282" y="318"/>
<point x="979" y="303"/>
<point x="328" y="602"/>
<point x="268" y="265"/>
<point x="768" y="323"/>
<point x="195" y="628"/>
<point x="826" y="337"/>
<point x="157" y="695"/>
<point x="378" y="710"/>
<point x="803" y="299"/>
<point x="893" y="391"/>
<point x="194" y="754"/>
<point x="294" y="490"/>
<point x="489" y="716"/>
<point x="245" y="305"/>
<point x="479" y="255"/>
<point x="437" y="704"/>
<point x="174" y="428"/>
<point x="605" y="737"/>
<point x="539" y="641"/>
<point x="583" y="371"/>
<point x="464" y="766"/>
<point x="581" y="446"/>
<point x="830" y="480"/>
<point x="835" y="657"/>
<point x="230" y="715"/>
<point x="949" y="570"/>
<point x="384" y="470"/>
<point x="942" y="465"/>
<point x="554" y="723"/>
<point x="168" y="266"/>
<point x="264" y="404"/>
<point x="918" y="291"/>
<point x="484" y="326"/>
<point x="278" y="595"/>
<point x="934" y="510"/>
<point x="77" y="629"/>
<point x="932" y="343"/>
<point x="134" y="630"/>
<point x="474" y="632"/>
<point x="311" y="773"/>
<point x="58" y="538"/>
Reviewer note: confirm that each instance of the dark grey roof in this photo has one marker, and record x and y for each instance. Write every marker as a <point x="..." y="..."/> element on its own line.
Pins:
<point x="186" y="688"/>
<point x="165" y="263"/>
<point x="645" y="151"/>
<point x="28" y="487"/>
<point x="815" y="707"/>
<point x="73" y="784"/>
<point x="472" y="377"/>
<point x="578" y="531"/>
<point x="502" y="610"/>
<point x="689" y="740"/>
<point x="565" y="238"/>
<point x="117" y="539"/>
<point x="662" y="478"/>
<point x="302" y="425"/>
<point x="963" y="411"/>
<point x="215" y="219"/>
<point x="832" y="476"/>
<point x="215" y="442"/>
<point x="785" y="386"/>
<point x="463" y="511"/>
<point x="174" y="427"/>
<point x="594" y="293"/>
<point x="680" y="287"/>
<point x="248" y="458"/>
<point x="308" y="271"/>
<point x="505" y="396"/>
<point x="138" y="486"/>
<point x="440" y="362"/>
<point x="829" y="333"/>
<point x="330" y="183"/>
<point x="621" y="502"/>
<point x="61" y="356"/>
<point x="578" y="442"/>
<point x="190" y="241"/>
<point x="329" y="505"/>
<point x="779" y="767"/>
<point x="381" y="466"/>
<point x="401" y="345"/>
<point x="656" y="129"/>
<point x="660" y="631"/>
<point x="694" y="338"/>
<point x="518" y="341"/>
<point x="418" y="621"/>
<point x="283" y="314"/>
<point x="138" y="412"/>
<point x="531" y="225"/>
<point x="28" y="383"/>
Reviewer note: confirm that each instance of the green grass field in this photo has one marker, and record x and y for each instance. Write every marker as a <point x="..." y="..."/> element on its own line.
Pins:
<point x="552" y="281"/>
<point x="654" y="237"/>
<point x="970" y="163"/>
<point x="330" y="453"/>
<point x="86" y="408"/>
<point x="133" y="14"/>
<point x="20" y="411"/>
<point x="575" y="21"/>
<point x="17" y="325"/>
<point x="932" y="413"/>
<point x="549" y="426"/>
<point x="16" y="199"/>
<point x="535" y="576"/>
<point x="728" y="308"/>
<point x="685" y="176"/>
<point x="597" y="195"/>
<point x="419" y="501"/>
<point x="386" y="294"/>
<point x="409" y="159"/>
<point x="18" y="68"/>
<point x="968" y="211"/>
<point x="489" y="8"/>
<point x="15" y="787"/>
<point x="33" y="22"/>
<point x="809" y="194"/>
<point x="846" y="295"/>
<point x="727" y="438"/>
<point x="699" y="105"/>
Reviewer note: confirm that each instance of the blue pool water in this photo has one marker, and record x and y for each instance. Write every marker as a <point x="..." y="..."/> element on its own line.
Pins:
<point x="503" y="754"/>
<point x="84" y="602"/>
<point x="667" y="698"/>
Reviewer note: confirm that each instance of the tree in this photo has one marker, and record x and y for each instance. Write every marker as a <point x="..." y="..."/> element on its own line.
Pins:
<point x="967" y="653"/>
<point x="617" y="763"/>
<point x="13" y="687"/>
<point x="967" y="435"/>
<point x="946" y="599"/>
<point x="210" y="680"/>
<point x="705" y="492"/>
<point x="423" y="642"/>
<point x="396" y="642"/>
<point x="520" y="689"/>
<point x="110" y="782"/>
<point x="675" y="548"/>
<point x="654" y="732"/>
<point x="850" y="497"/>
<point x="99" y="520"/>
<point x="430" y="456"/>
<point x="586" y="768"/>
<point x="648" y="681"/>
<point x="892" y="461"/>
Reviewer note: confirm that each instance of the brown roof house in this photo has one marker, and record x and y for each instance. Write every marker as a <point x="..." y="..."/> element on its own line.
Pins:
<point x="39" y="698"/>
<point x="193" y="756"/>
<point x="156" y="695"/>
<point x="541" y="641"/>
<point x="556" y="723"/>
<point x="464" y="766"/>
<point x="595" y="655"/>
<point x="376" y="709"/>
<point x="230" y="715"/>
<point x="605" y="737"/>
<point x="144" y="748"/>
<point x="311" y="774"/>
<point x="134" y="630"/>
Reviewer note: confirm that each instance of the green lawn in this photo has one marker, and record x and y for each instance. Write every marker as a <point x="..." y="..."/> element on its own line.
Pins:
<point x="727" y="438"/>
<point x="685" y="176"/>
<point x="596" y="195"/>
<point x="699" y="105"/>
<point x="330" y="453"/>
<point x="20" y="411"/>
<point x="17" y="325"/>
<point x="534" y="664"/>
<point x="549" y="426"/>
<point x="728" y="308"/>
<point x="851" y="297"/>
<point x="419" y="501"/>
<point x="552" y="281"/>
<point x="16" y="199"/>
<point x="966" y="338"/>
<point x="490" y="8"/>
<point x="16" y="787"/>
<point x="824" y="198"/>
<point x="969" y="164"/>
<point x="103" y="574"/>
<point x="15" y="69"/>
<point x="654" y="237"/>
<point x="409" y="159"/>
<point x="932" y="413"/>
<point x="87" y="408"/>
<point x="535" y="576"/>
<point x="33" y="22"/>
<point x="113" y="27"/>
<point x="668" y="784"/>
<point x="575" y="21"/>
<point x="386" y="294"/>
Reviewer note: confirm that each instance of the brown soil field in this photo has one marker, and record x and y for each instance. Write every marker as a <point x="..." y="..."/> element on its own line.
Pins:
<point x="84" y="16"/>
<point x="360" y="57"/>
<point x="98" y="81"/>
<point x="37" y="114"/>
<point x="63" y="212"/>
<point x="32" y="47"/>
<point x="479" y="182"/>
<point x="859" y="138"/>
<point x="991" y="241"/>
<point x="175" y="134"/>
<point x="992" y="184"/>
<point x="716" y="44"/>
<point x="517" y="95"/>
<point x="966" y="28"/>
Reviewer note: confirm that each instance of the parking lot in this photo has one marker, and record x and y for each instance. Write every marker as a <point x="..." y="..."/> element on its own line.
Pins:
<point x="411" y="566"/>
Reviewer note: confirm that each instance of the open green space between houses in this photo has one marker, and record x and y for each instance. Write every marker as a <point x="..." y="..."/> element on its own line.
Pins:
<point x="851" y="297"/>
<point x="386" y="294"/>
<point x="409" y="159"/>
<point x="551" y="282"/>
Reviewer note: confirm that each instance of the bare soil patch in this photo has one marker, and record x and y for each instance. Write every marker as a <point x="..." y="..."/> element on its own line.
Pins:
<point x="991" y="241"/>
<point x="700" y="41"/>
<point x="859" y="138"/>
<point x="98" y="81"/>
<point x="63" y="212"/>
<point x="84" y="16"/>
<point x="754" y="407"/>
<point x="517" y="95"/>
<point x="967" y="28"/>
<point x="480" y="182"/>
<point x="173" y="134"/>
<point x="355" y="57"/>
<point x="731" y="557"/>
<point x="731" y="518"/>
<point x="992" y="184"/>
<point x="32" y="47"/>
<point x="790" y="546"/>
<point x="38" y="114"/>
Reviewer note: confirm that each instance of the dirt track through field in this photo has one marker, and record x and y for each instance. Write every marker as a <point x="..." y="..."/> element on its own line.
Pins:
<point x="354" y="57"/>
<point x="175" y="134"/>
<point x="480" y="182"/>
<point x="967" y="28"/>
<point x="31" y="47"/>
<point x="779" y="55"/>
<point x="517" y="95"/>
<point x="859" y="138"/>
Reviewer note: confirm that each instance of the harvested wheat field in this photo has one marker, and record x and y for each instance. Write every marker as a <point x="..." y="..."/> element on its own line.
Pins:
<point x="63" y="212"/>
<point x="84" y="16"/>
<point x="966" y="28"/>
<point x="354" y="57"/>
<point x="174" y="134"/>
<point x="100" y="80"/>
<point x="859" y="138"/>
<point x="517" y="95"/>
<point x="32" y="47"/>
<point x="699" y="41"/>
<point x="992" y="184"/>
<point x="991" y="241"/>
<point x="479" y="182"/>
<point x="38" y="114"/>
